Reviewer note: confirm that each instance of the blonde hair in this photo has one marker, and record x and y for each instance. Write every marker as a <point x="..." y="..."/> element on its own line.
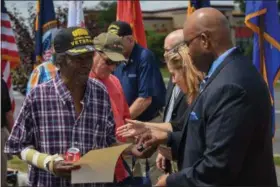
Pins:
<point x="179" y="59"/>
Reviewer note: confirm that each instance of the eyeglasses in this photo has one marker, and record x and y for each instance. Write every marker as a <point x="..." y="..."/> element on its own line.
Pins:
<point x="175" y="49"/>
<point x="188" y="43"/>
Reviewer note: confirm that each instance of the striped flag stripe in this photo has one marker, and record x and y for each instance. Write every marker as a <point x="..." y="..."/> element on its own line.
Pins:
<point x="9" y="46"/>
<point x="9" y="51"/>
<point x="6" y="24"/>
<point x="8" y="38"/>
<point x="7" y="31"/>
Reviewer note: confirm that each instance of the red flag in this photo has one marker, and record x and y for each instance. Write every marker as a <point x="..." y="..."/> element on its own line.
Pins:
<point x="130" y="12"/>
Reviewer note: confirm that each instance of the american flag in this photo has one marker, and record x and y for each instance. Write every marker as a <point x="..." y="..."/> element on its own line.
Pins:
<point x="9" y="51"/>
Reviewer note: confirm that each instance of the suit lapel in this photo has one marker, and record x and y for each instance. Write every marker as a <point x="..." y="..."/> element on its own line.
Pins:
<point x="178" y="99"/>
<point x="169" y="90"/>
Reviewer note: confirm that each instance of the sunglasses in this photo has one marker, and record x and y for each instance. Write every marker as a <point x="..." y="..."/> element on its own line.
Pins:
<point x="108" y="61"/>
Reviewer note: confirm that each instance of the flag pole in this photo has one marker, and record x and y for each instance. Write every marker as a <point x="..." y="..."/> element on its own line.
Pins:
<point x="262" y="53"/>
<point x="261" y="43"/>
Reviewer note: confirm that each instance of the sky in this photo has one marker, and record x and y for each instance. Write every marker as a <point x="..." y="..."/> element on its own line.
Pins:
<point x="22" y="6"/>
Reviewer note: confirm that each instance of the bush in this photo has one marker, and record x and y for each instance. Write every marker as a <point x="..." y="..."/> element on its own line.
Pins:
<point x="155" y="42"/>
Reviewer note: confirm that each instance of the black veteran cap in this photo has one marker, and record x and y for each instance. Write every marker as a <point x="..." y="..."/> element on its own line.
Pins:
<point x="73" y="41"/>
<point x="110" y="44"/>
<point x="120" y="28"/>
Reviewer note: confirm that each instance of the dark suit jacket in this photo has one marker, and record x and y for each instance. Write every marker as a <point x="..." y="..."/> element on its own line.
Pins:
<point x="179" y="109"/>
<point x="227" y="138"/>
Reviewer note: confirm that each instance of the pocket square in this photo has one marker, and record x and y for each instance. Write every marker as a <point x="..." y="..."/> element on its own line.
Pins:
<point x="193" y="116"/>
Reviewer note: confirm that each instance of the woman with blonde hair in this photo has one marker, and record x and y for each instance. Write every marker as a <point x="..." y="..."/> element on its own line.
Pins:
<point x="185" y="75"/>
<point x="183" y="72"/>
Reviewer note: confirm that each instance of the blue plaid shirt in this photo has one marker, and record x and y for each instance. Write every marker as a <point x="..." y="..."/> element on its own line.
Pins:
<point x="48" y="123"/>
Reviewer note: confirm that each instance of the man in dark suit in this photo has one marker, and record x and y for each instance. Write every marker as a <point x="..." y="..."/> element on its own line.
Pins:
<point x="176" y="103"/>
<point x="226" y="140"/>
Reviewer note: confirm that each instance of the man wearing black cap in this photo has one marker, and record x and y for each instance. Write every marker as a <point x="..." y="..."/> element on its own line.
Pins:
<point x="141" y="81"/>
<point x="70" y="111"/>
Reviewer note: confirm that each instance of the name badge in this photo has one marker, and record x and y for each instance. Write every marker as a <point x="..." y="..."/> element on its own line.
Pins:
<point x="131" y="75"/>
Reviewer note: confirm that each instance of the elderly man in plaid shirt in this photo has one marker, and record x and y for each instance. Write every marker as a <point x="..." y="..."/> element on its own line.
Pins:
<point x="68" y="110"/>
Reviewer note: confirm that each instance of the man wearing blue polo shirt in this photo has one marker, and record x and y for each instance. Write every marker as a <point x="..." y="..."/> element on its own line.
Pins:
<point x="141" y="80"/>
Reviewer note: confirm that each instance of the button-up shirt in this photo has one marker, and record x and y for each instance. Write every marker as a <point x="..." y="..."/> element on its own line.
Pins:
<point x="141" y="77"/>
<point x="214" y="66"/>
<point x="48" y="123"/>
<point x="175" y="93"/>
<point x="121" y="112"/>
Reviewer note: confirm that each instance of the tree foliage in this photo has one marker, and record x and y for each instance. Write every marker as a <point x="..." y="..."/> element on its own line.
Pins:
<point x="25" y="44"/>
<point x="24" y="29"/>
<point x="155" y="42"/>
<point x="107" y="14"/>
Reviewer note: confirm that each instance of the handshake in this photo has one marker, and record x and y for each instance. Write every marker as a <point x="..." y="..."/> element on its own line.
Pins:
<point x="147" y="136"/>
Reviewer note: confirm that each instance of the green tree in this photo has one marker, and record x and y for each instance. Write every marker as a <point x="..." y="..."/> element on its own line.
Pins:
<point x="241" y="4"/>
<point x="155" y="42"/>
<point x="107" y="14"/>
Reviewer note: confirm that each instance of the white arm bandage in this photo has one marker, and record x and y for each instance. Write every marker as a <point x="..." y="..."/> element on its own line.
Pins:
<point x="40" y="160"/>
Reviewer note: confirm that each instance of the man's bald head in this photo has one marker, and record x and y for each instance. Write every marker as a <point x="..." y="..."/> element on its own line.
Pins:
<point x="209" y="19"/>
<point x="207" y="33"/>
<point x="173" y="39"/>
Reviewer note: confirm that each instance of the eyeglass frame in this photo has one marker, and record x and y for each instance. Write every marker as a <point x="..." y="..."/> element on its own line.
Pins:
<point x="188" y="43"/>
<point x="108" y="61"/>
<point x="174" y="50"/>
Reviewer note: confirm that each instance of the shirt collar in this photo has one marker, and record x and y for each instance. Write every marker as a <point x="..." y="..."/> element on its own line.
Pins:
<point x="218" y="61"/>
<point x="131" y="56"/>
<point x="61" y="89"/>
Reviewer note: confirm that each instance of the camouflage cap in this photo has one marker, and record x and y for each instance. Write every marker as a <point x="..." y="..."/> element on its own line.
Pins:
<point x="111" y="45"/>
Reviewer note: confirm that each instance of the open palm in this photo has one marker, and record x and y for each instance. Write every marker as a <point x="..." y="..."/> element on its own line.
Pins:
<point x="132" y="128"/>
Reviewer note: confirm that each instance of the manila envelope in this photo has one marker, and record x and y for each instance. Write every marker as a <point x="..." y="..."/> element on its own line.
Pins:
<point x="98" y="166"/>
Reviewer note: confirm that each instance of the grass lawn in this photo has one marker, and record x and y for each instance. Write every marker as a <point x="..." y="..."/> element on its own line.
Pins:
<point x="164" y="72"/>
<point x="17" y="164"/>
<point x="277" y="160"/>
<point x="277" y="86"/>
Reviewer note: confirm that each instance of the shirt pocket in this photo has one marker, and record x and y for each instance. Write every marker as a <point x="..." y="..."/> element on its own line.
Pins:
<point x="132" y="75"/>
